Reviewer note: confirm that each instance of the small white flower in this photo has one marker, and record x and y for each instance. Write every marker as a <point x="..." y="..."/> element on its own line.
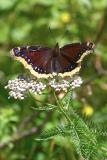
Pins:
<point x="76" y="83"/>
<point x="59" y="85"/>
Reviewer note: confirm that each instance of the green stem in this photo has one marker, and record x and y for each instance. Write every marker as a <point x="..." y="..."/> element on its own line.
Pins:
<point x="61" y="108"/>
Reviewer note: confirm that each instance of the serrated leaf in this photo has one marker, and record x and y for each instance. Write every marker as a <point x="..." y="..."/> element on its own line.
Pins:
<point x="67" y="99"/>
<point x="56" y="131"/>
<point x="46" y="107"/>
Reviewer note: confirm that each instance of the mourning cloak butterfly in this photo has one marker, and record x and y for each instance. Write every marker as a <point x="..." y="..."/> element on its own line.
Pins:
<point x="44" y="62"/>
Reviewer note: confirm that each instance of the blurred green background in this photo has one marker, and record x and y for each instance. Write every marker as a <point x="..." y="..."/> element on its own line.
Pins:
<point x="27" y="22"/>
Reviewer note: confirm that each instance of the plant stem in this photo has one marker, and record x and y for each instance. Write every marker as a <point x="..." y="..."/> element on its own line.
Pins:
<point x="61" y="108"/>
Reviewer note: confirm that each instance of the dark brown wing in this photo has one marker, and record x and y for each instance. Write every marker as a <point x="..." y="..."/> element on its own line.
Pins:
<point x="36" y="56"/>
<point x="72" y="54"/>
<point x="73" y="51"/>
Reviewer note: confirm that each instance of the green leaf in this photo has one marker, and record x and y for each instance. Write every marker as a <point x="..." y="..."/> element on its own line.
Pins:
<point x="46" y="107"/>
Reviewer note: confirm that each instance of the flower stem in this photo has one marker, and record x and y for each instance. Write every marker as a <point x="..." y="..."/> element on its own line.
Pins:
<point x="61" y="108"/>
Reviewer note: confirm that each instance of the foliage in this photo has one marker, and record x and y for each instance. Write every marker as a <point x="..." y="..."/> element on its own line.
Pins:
<point x="85" y="137"/>
<point x="24" y="22"/>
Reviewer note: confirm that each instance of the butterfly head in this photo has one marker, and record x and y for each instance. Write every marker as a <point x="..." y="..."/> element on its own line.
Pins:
<point x="56" y="50"/>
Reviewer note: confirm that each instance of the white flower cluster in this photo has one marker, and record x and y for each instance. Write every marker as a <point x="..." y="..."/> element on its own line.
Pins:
<point x="35" y="87"/>
<point x="65" y="84"/>
<point x="76" y="82"/>
<point x="58" y="86"/>
<point x="20" y="86"/>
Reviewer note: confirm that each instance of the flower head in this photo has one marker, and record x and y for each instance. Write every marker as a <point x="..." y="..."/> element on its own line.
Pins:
<point x="21" y="86"/>
<point x="88" y="110"/>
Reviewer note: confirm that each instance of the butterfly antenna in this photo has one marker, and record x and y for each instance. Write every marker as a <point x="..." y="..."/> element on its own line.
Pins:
<point x="52" y="34"/>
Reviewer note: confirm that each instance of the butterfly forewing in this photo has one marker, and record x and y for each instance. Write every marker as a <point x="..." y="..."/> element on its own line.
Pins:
<point x="72" y="52"/>
<point x="36" y="56"/>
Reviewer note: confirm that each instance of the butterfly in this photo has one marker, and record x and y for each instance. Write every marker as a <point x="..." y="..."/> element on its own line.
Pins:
<point x="44" y="62"/>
